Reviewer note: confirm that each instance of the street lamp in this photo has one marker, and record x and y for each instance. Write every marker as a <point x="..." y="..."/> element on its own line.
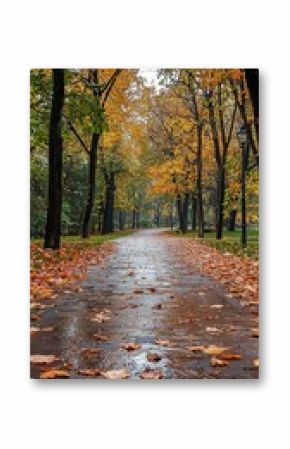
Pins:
<point x="242" y="135"/>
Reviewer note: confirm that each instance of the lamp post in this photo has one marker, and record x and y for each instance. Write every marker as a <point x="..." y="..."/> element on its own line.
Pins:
<point x="243" y="141"/>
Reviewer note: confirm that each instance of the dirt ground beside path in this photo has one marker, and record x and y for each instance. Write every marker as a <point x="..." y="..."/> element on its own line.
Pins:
<point x="146" y="312"/>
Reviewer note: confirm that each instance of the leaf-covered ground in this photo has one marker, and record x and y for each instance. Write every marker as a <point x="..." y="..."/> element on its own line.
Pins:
<point x="239" y="275"/>
<point x="52" y="271"/>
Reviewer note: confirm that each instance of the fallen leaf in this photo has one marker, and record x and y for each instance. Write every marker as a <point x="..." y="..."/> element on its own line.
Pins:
<point x="101" y="337"/>
<point x="115" y="374"/>
<point x="162" y="342"/>
<point x="38" y="358"/>
<point x="151" y="374"/>
<point x="212" y="329"/>
<point x="138" y="290"/>
<point x="130" y="346"/>
<point x="216" y="306"/>
<point x="153" y="357"/>
<point x="54" y="373"/>
<point x="256" y="363"/>
<point x="152" y="289"/>
<point x="214" y="350"/>
<point x="218" y="362"/>
<point x="89" y="372"/>
<point x="229" y="356"/>
<point x="157" y="306"/>
<point x="130" y="273"/>
<point x="195" y="348"/>
<point x="255" y="332"/>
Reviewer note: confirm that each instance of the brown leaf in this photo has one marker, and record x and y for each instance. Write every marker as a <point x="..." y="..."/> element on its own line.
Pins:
<point x="115" y="374"/>
<point x="229" y="356"/>
<point x="89" y="372"/>
<point x="195" y="348"/>
<point x="55" y="373"/>
<point x="218" y="362"/>
<point x="214" y="350"/>
<point x="130" y="346"/>
<point x="162" y="342"/>
<point x="255" y="332"/>
<point x="256" y="363"/>
<point x="138" y="291"/>
<point x="37" y="358"/>
<point x="151" y="374"/>
<point x="153" y="357"/>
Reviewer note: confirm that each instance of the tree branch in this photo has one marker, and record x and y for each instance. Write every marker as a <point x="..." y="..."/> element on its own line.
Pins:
<point x="74" y="131"/>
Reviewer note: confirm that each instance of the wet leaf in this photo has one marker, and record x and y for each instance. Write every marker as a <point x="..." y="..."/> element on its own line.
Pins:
<point x="89" y="372"/>
<point x="195" y="348"/>
<point x="151" y="374"/>
<point x="101" y="337"/>
<point x="212" y="329"/>
<point x="153" y="357"/>
<point x="256" y="363"/>
<point x="115" y="374"/>
<point x="229" y="356"/>
<point x="38" y="358"/>
<point x="214" y="350"/>
<point x="255" y="332"/>
<point x="132" y="346"/>
<point x="54" y="374"/>
<point x="162" y="342"/>
<point x="138" y="291"/>
<point x="218" y="362"/>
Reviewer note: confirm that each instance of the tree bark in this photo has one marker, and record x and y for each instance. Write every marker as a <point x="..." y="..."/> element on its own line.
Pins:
<point x="53" y="223"/>
<point x="108" y="222"/>
<point x="200" y="213"/>
<point x="232" y="220"/>
<point x="252" y="79"/>
<point x="193" y="212"/>
<point x="92" y="185"/>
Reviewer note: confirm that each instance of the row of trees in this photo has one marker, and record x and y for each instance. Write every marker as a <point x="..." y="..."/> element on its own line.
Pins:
<point x="193" y="125"/>
<point x="123" y="153"/>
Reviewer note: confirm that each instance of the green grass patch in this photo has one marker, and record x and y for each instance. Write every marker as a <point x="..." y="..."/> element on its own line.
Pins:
<point x="231" y="241"/>
<point x="91" y="241"/>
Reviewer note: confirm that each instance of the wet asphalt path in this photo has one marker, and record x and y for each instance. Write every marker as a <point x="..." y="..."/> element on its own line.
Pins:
<point x="148" y="293"/>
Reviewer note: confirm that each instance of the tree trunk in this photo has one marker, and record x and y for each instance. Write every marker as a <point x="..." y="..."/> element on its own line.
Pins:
<point x="53" y="223"/>
<point x="252" y="79"/>
<point x="92" y="185"/>
<point x="200" y="213"/>
<point x="232" y="220"/>
<point x="220" y="202"/>
<point x="121" y="220"/>
<point x="134" y="219"/>
<point x="193" y="212"/>
<point x="108" y="223"/>
<point x="179" y="211"/>
<point x="185" y="205"/>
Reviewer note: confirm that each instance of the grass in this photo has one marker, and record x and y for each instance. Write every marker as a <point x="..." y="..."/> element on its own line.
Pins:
<point x="91" y="241"/>
<point x="231" y="241"/>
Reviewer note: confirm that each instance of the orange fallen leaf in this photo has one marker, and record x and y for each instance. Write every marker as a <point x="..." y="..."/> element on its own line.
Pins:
<point x="130" y="346"/>
<point x="54" y="373"/>
<point x="218" y="362"/>
<point x="214" y="350"/>
<point x="39" y="358"/>
<point x="89" y="372"/>
<point x="153" y="357"/>
<point x="256" y="363"/>
<point x="151" y="374"/>
<point x="229" y="356"/>
<point x="115" y="374"/>
<point x="162" y="342"/>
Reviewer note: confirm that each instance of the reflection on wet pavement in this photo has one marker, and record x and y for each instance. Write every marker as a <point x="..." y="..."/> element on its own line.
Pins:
<point x="148" y="296"/>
